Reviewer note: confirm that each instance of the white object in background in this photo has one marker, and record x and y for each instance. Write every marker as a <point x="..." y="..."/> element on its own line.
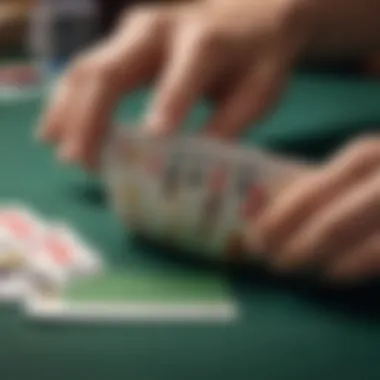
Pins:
<point x="59" y="30"/>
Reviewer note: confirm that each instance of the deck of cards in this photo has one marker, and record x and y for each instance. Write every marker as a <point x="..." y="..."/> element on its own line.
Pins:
<point x="196" y="194"/>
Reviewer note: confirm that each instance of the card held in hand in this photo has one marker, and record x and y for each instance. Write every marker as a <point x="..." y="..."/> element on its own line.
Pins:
<point x="199" y="195"/>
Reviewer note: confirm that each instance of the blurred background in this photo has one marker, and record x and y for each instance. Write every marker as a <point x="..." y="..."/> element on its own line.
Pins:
<point x="80" y="22"/>
<point x="50" y="32"/>
<point x="21" y="19"/>
<point x="39" y="37"/>
<point x="15" y="16"/>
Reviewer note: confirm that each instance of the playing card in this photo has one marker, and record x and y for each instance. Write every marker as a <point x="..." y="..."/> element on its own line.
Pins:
<point x="237" y="216"/>
<point x="172" y="192"/>
<point x="13" y="285"/>
<point x="214" y="204"/>
<point x="123" y="170"/>
<point x="131" y="296"/>
<point x="206" y="193"/>
<point x="19" y="230"/>
<point x="193" y="171"/>
<point x="60" y="256"/>
<point x="151" y="174"/>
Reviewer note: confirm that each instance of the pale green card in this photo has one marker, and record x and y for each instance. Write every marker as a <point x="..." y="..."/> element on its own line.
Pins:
<point x="140" y="296"/>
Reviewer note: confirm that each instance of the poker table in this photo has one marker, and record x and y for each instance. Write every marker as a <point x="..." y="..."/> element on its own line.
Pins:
<point x="289" y="328"/>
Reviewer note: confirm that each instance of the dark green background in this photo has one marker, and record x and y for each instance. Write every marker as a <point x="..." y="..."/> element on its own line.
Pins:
<point x="290" y="329"/>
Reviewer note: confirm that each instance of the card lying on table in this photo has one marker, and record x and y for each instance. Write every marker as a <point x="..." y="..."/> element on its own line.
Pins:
<point x="38" y="253"/>
<point x="130" y="296"/>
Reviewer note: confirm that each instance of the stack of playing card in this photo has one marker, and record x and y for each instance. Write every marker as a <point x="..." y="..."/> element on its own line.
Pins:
<point x="39" y="256"/>
<point x="194" y="193"/>
<point x="56" y="276"/>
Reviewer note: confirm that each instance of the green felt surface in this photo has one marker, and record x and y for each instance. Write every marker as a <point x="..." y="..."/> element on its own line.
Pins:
<point x="288" y="330"/>
<point x="157" y="286"/>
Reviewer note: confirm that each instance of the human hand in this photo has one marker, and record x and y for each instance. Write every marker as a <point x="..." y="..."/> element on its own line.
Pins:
<point x="239" y="52"/>
<point x="329" y="218"/>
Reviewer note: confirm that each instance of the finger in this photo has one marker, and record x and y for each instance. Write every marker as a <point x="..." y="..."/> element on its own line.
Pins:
<point x="140" y="41"/>
<point x="362" y="262"/>
<point x="186" y="74"/>
<point x="64" y="99"/>
<point x="333" y="230"/>
<point x="89" y="124"/>
<point x="225" y="82"/>
<point x="50" y="127"/>
<point x="135" y="46"/>
<point x="251" y="99"/>
<point x="309" y="195"/>
<point x="115" y="68"/>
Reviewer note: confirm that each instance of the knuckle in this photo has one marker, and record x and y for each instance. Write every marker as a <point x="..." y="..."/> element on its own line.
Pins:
<point x="366" y="148"/>
<point x="105" y="70"/>
<point x="95" y="68"/>
<point x="146" y="17"/>
<point x="204" y="35"/>
<point x="210" y="39"/>
<point x="361" y="156"/>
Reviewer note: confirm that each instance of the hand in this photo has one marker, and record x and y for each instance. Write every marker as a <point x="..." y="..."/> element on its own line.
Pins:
<point x="329" y="218"/>
<point x="238" y="51"/>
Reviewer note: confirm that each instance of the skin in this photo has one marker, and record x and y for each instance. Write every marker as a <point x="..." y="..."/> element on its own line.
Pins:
<point x="239" y="54"/>
<point x="328" y="218"/>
